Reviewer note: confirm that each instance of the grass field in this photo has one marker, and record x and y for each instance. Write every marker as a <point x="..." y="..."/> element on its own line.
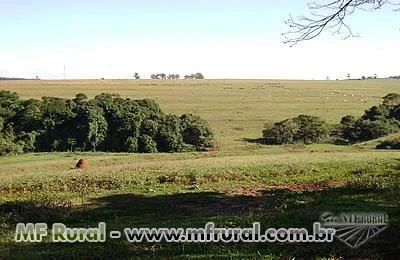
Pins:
<point x="243" y="182"/>
<point x="236" y="109"/>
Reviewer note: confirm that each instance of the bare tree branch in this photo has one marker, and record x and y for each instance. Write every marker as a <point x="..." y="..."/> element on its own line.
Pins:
<point x="330" y="16"/>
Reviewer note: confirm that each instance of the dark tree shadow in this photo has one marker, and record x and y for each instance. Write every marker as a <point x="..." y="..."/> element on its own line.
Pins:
<point x="253" y="140"/>
<point x="272" y="208"/>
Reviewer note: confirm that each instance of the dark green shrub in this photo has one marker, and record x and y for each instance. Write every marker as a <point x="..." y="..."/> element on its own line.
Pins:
<point x="369" y="130"/>
<point x="376" y="113"/>
<point x="311" y="129"/>
<point x="348" y="133"/>
<point x="196" y="131"/>
<point x="389" y="144"/>
<point x="169" y="138"/>
<point x="302" y="129"/>
<point x="10" y="104"/>
<point x="80" y="97"/>
<point x="8" y="147"/>
<point x="281" y="132"/>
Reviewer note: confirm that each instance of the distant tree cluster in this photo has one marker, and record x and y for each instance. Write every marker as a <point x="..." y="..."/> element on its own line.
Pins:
<point x="106" y="123"/>
<point x="173" y="76"/>
<point x="376" y="122"/>
<point x="6" y="78"/>
<point x="165" y="76"/>
<point x="197" y="75"/>
<point x="369" y="77"/>
<point x="159" y="76"/>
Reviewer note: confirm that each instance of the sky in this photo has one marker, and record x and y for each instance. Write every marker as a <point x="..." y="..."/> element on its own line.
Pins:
<point x="221" y="39"/>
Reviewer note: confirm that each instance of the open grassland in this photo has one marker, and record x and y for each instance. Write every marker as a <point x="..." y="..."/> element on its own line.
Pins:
<point x="236" y="109"/>
<point x="243" y="182"/>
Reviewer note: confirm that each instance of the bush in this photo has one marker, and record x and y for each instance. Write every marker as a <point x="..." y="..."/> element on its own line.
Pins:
<point x="281" y="132"/>
<point x="353" y="131"/>
<point x="347" y="130"/>
<point x="389" y="144"/>
<point x="311" y="129"/>
<point x="8" y="147"/>
<point x="369" y="130"/>
<point x="376" y="113"/>
<point x="302" y="129"/>
<point x="196" y="131"/>
<point x="8" y="143"/>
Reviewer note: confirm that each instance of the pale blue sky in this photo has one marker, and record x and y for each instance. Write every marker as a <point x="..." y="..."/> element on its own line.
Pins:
<point x="222" y="39"/>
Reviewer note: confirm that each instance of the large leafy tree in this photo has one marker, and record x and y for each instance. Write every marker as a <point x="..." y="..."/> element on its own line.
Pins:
<point x="301" y="129"/>
<point x="91" y="125"/>
<point x="169" y="138"/>
<point x="54" y="114"/>
<point x="10" y="104"/>
<point x="196" y="131"/>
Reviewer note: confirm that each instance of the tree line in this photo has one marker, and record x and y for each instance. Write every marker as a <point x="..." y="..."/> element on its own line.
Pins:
<point x="376" y="122"/>
<point x="107" y="123"/>
<point x="197" y="75"/>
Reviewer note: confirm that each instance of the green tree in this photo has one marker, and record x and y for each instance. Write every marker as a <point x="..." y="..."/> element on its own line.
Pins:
<point x="311" y="129"/>
<point x="348" y="130"/>
<point x="376" y="113"/>
<point x="8" y="142"/>
<point x="91" y="125"/>
<point x="304" y="128"/>
<point x="391" y="100"/>
<point x="132" y="144"/>
<point x="10" y="104"/>
<point x="147" y="144"/>
<point x="169" y="137"/>
<point x="56" y="113"/>
<point x="80" y="97"/>
<point x="281" y="132"/>
<point x="196" y="131"/>
<point x="369" y="129"/>
<point x="149" y="127"/>
<point x="30" y="117"/>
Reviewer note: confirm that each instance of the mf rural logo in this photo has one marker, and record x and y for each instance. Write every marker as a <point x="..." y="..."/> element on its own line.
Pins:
<point x="355" y="229"/>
